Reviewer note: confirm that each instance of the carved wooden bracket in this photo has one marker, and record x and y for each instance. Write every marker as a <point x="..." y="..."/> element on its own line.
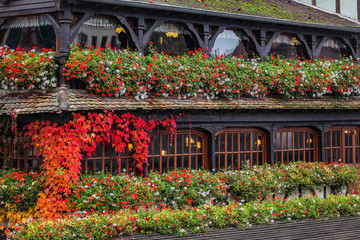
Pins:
<point x="78" y="24"/>
<point x="213" y="37"/>
<point x="54" y="23"/>
<point x="319" y="47"/>
<point x="263" y="48"/>
<point x="208" y="41"/>
<point x="349" y="46"/>
<point x="305" y="44"/>
<point x="147" y="35"/>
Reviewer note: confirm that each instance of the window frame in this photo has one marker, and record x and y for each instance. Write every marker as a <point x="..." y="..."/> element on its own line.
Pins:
<point x="202" y="134"/>
<point x="342" y="147"/>
<point x="315" y="148"/>
<point x="239" y="131"/>
<point x="113" y="157"/>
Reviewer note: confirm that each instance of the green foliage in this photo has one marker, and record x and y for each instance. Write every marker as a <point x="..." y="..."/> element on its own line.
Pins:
<point x="193" y="220"/>
<point x="19" y="189"/>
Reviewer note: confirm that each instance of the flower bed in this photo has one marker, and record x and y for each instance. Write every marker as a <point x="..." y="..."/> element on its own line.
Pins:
<point x="124" y="199"/>
<point x="179" y="189"/>
<point x="180" y="222"/>
<point x="110" y="72"/>
<point x="27" y="70"/>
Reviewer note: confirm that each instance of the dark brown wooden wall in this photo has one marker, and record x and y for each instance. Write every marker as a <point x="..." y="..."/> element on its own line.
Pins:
<point x="26" y="7"/>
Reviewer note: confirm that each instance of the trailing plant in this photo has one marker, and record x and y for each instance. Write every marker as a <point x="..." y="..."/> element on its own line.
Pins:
<point x="61" y="148"/>
<point x="27" y="70"/>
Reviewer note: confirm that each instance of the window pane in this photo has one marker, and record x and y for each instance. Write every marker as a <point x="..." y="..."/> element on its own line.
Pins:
<point x="193" y="162"/>
<point x="248" y="142"/>
<point x="236" y="163"/>
<point x="193" y="143"/>
<point x="278" y="141"/>
<point x="229" y="161"/>
<point x="164" y="166"/>
<point x="284" y="141"/>
<point x="179" y="143"/>
<point x="108" y="165"/>
<point x="229" y="142"/>
<point x="199" y="144"/>
<point x="307" y="140"/>
<point x="179" y="162"/>
<point x="200" y="162"/>
<point x="301" y="139"/>
<point x="289" y="139"/>
<point x="235" y="142"/>
<point x="156" y="142"/>
<point x="186" y="161"/>
<point x="98" y="166"/>
<point x="156" y="163"/>
<point x="242" y="141"/>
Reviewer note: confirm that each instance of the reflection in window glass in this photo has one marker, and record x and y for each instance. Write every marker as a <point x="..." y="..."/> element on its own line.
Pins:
<point x="185" y="150"/>
<point x="27" y="33"/>
<point x="231" y="43"/>
<point x="333" y="49"/>
<point x="244" y="147"/>
<point x="171" y="38"/>
<point x="287" y="46"/>
<point x="101" y="32"/>
<point x="293" y="145"/>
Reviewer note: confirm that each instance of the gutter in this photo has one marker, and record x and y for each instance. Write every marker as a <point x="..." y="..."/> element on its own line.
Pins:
<point x="197" y="11"/>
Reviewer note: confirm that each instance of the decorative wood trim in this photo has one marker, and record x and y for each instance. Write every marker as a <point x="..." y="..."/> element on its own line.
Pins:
<point x="195" y="34"/>
<point x="54" y="23"/>
<point x="78" y="24"/>
<point x="319" y="47"/>
<point x="129" y="31"/>
<point x="213" y="37"/>
<point x="305" y="44"/>
<point x="147" y="34"/>
<point x="348" y="45"/>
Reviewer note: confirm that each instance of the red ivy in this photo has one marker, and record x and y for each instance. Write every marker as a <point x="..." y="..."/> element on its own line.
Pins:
<point x="61" y="147"/>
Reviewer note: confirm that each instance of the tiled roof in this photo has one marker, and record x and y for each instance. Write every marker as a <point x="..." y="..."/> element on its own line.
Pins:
<point x="277" y="9"/>
<point x="80" y="100"/>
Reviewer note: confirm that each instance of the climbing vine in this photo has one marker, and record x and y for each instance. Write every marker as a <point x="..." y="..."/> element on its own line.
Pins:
<point x="62" y="148"/>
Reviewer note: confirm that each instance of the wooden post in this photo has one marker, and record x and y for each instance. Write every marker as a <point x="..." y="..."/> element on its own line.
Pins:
<point x="140" y="29"/>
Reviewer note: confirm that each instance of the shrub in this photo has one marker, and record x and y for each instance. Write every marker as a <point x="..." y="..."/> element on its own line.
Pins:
<point x="194" y="220"/>
<point x="111" y="72"/>
<point x="27" y="70"/>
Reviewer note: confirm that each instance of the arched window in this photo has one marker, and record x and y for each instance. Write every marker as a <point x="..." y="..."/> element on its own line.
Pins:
<point x="296" y="144"/>
<point x="187" y="149"/>
<point x="235" y="148"/>
<point x="288" y="46"/>
<point x="342" y="143"/>
<point x="232" y="43"/>
<point x="172" y="38"/>
<point x="333" y="49"/>
<point x="105" y="158"/>
<point x="102" y="31"/>
<point x="27" y="33"/>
